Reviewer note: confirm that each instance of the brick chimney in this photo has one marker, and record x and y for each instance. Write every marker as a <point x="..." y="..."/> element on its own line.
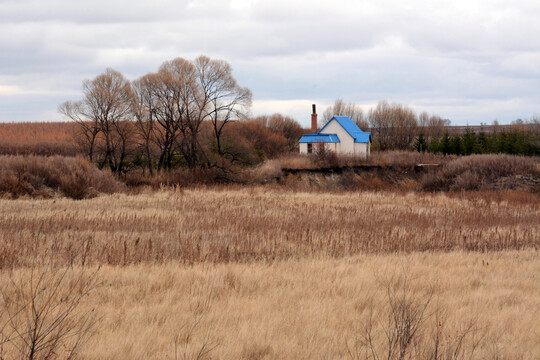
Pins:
<point x="314" y="120"/>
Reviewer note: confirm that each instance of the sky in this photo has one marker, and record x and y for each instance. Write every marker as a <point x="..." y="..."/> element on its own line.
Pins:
<point x="470" y="61"/>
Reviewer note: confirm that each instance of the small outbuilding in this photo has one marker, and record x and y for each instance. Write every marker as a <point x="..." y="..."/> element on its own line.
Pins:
<point x="340" y="134"/>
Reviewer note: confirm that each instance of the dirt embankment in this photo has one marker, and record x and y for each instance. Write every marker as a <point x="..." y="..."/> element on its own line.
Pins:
<point x="479" y="172"/>
<point x="368" y="177"/>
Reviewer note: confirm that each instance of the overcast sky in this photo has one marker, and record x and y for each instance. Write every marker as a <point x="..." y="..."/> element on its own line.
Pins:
<point x="470" y="61"/>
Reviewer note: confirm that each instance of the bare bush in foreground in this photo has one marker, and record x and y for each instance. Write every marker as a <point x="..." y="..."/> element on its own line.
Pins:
<point x="413" y="329"/>
<point x="39" y="316"/>
<point x="189" y="343"/>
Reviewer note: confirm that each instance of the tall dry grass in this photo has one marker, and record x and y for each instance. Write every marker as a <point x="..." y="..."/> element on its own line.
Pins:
<point x="258" y="273"/>
<point x="239" y="224"/>
<point x="312" y="308"/>
<point x="33" y="132"/>
<point x="42" y="139"/>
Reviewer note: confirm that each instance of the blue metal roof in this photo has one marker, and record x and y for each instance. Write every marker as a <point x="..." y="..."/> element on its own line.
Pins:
<point x="319" y="138"/>
<point x="356" y="133"/>
<point x="364" y="137"/>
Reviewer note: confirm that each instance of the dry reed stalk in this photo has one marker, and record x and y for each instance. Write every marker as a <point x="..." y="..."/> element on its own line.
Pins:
<point x="253" y="224"/>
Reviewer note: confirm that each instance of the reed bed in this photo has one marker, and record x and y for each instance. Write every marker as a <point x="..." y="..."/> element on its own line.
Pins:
<point x="221" y="225"/>
<point x="310" y="308"/>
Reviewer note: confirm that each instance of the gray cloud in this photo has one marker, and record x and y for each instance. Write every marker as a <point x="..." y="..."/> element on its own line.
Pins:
<point x="473" y="60"/>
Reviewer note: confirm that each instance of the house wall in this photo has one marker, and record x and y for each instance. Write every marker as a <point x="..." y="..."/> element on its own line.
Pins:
<point x="346" y="144"/>
<point x="328" y="146"/>
<point x="362" y="149"/>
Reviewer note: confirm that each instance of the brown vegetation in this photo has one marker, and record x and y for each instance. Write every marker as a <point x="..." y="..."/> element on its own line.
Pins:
<point x="40" y="317"/>
<point x="52" y="176"/>
<point x="33" y="132"/>
<point x="311" y="308"/>
<point x="287" y="270"/>
<point x="485" y="172"/>
<point x="41" y="139"/>
<point x="404" y="171"/>
<point x="243" y="225"/>
<point x="250" y="273"/>
<point x="77" y="178"/>
<point x="405" y="159"/>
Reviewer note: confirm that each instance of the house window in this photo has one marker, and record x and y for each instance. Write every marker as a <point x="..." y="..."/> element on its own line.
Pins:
<point x="309" y="148"/>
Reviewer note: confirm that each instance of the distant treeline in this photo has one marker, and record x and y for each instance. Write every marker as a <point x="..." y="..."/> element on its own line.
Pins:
<point x="397" y="127"/>
<point x="514" y="141"/>
<point x="169" y="120"/>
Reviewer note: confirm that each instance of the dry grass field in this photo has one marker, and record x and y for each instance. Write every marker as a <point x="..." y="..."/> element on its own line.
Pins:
<point x="258" y="272"/>
<point x="260" y="223"/>
<point x="34" y="132"/>
<point x="45" y="139"/>
<point x="313" y="308"/>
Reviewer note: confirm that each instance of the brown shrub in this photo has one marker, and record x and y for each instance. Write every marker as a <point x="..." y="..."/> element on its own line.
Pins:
<point x="264" y="173"/>
<point x="46" y="176"/>
<point x="480" y="172"/>
<point x="180" y="177"/>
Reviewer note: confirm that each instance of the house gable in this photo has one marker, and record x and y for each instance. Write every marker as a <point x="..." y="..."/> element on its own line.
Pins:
<point x="334" y="127"/>
<point x="341" y="135"/>
<point x="349" y="127"/>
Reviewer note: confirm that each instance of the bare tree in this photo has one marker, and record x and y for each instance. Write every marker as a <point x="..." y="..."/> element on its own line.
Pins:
<point x="535" y="124"/>
<point x="169" y="108"/>
<point x="106" y="104"/>
<point x="393" y="125"/>
<point x="353" y="111"/>
<point x="191" y="93"/>
<point x="423" y="119"/>
<point x="89" y="128"/>
<point x="186" y="97"/>
<point x="220" y="98"/>
<point x="145" y="110"/>
<point x="435" y="127"/>
<point x="170" y="91"/>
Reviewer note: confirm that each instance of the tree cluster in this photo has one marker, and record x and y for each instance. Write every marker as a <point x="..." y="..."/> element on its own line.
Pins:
<point x="157" y="120"/>
<point x="393" y="126"/>
<point x="397" y="127"/>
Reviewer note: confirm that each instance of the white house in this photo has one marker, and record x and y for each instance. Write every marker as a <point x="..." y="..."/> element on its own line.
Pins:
<point x="340" y="134"/>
